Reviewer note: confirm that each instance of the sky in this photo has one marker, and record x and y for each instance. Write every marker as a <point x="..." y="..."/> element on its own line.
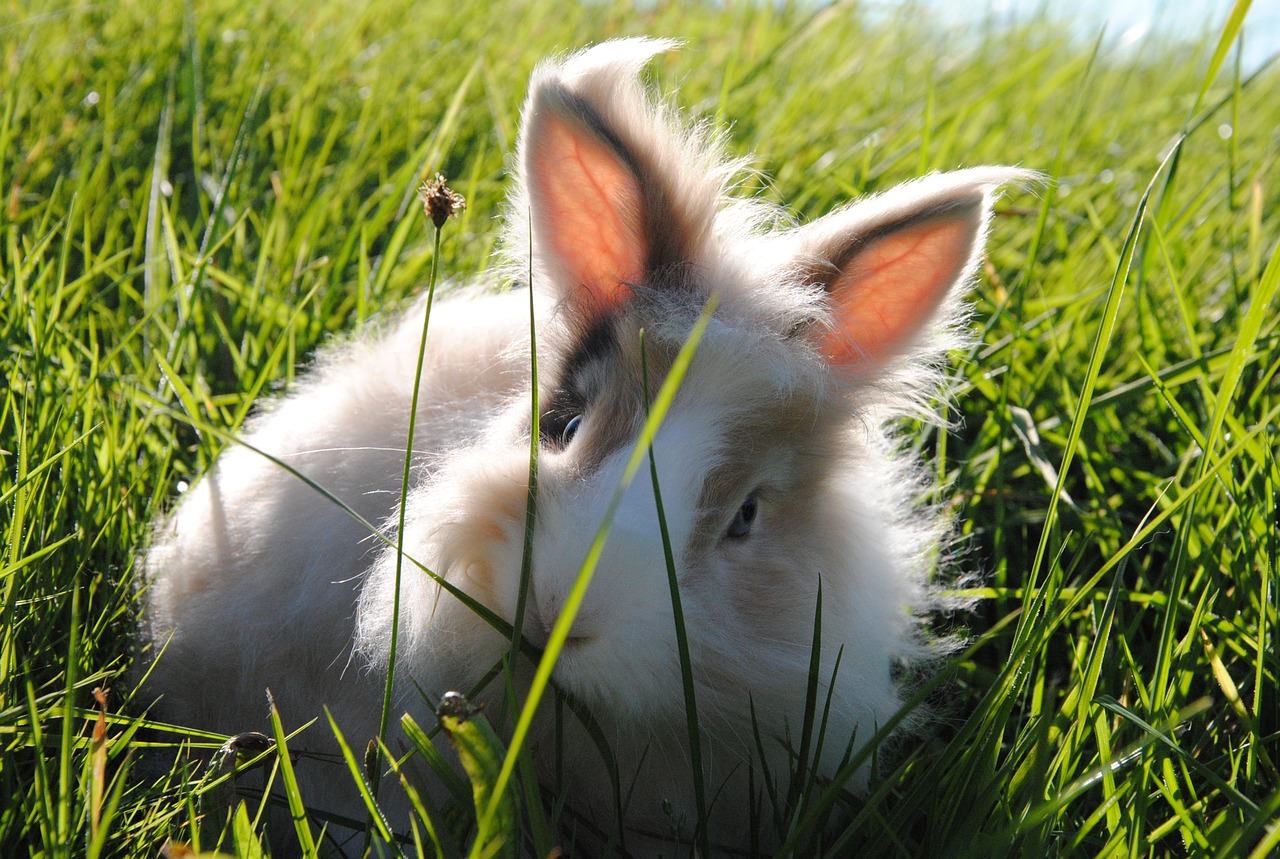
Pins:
<point x="1127" y="22"/>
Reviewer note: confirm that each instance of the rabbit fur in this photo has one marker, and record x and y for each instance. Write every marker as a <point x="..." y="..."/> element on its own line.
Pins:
<point x="777" y="464"/>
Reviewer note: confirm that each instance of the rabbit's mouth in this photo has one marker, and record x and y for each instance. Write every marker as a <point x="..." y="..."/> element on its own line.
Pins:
<point x="538" y="634"/>
<point x="573" y="645"/>
<point x="544" y="614"/>
<point x="576" y="654"/>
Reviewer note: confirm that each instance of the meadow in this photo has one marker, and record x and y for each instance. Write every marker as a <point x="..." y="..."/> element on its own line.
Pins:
<point x="194" y="196"/>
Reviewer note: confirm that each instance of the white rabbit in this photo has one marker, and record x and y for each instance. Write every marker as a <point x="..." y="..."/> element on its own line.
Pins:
<point x="777" y="472"/>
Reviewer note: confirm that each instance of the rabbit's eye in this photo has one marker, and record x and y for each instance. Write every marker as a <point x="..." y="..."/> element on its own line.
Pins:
<point x="740" y="527"/>
<point x="570" y="429"/>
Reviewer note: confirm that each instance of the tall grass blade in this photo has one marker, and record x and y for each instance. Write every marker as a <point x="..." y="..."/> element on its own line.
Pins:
<point x="389" y="685"/>
<point x="701" y="836"/>
<point x="293" y="797"/>
<point x="1230" y="30"/>
<point x="573" y="601"/>
<point x="358" y="777"/>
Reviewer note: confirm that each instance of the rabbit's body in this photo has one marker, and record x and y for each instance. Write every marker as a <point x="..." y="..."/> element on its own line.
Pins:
<point x="782" y="488"/>
<point x="345" y="427"/>
<point x="255" y="578"/>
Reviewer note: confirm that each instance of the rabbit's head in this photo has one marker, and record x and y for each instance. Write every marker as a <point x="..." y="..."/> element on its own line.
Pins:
<point x="785" y="497"/>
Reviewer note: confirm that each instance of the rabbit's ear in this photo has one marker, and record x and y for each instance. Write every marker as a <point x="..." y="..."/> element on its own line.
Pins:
<point x="891" y="262"/>
<point x="585" y="200"/>
<point x="617" y="190"/>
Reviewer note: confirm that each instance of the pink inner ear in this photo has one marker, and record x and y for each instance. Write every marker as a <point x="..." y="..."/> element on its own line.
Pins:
<point x="888" y="290"/>
<point x="586" y="203"/>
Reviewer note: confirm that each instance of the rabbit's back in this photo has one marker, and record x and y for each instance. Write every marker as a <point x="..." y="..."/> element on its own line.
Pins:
<point x="253" y="578"/>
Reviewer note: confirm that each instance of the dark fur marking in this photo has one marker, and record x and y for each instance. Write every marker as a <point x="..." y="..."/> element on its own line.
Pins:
<point x="598" y="343"/>
<point x="569" y="399"/>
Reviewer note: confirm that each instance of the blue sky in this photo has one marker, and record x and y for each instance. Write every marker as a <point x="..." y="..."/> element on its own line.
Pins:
<point x="1127" y="22"/>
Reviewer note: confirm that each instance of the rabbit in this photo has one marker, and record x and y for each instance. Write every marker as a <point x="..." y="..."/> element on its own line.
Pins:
<point x="785" y="488"/>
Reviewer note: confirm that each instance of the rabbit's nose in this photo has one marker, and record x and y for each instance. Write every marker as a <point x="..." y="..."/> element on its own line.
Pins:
<point x="539" y="620"/>
<point x="535" y="631"/>
<point x="537" y="635"/>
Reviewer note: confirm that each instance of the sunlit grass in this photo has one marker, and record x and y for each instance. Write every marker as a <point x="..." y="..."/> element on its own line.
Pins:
<point x="193" y="197"/>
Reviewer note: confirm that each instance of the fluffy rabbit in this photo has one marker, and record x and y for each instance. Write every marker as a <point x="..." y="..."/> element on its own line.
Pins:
<point x="779" y="478"/>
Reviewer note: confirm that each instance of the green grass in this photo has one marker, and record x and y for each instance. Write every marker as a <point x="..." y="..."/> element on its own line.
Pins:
<point x="192" y="198"/>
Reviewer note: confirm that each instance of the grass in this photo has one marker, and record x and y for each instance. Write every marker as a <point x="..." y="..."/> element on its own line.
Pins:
<point x="193" y="197"/>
